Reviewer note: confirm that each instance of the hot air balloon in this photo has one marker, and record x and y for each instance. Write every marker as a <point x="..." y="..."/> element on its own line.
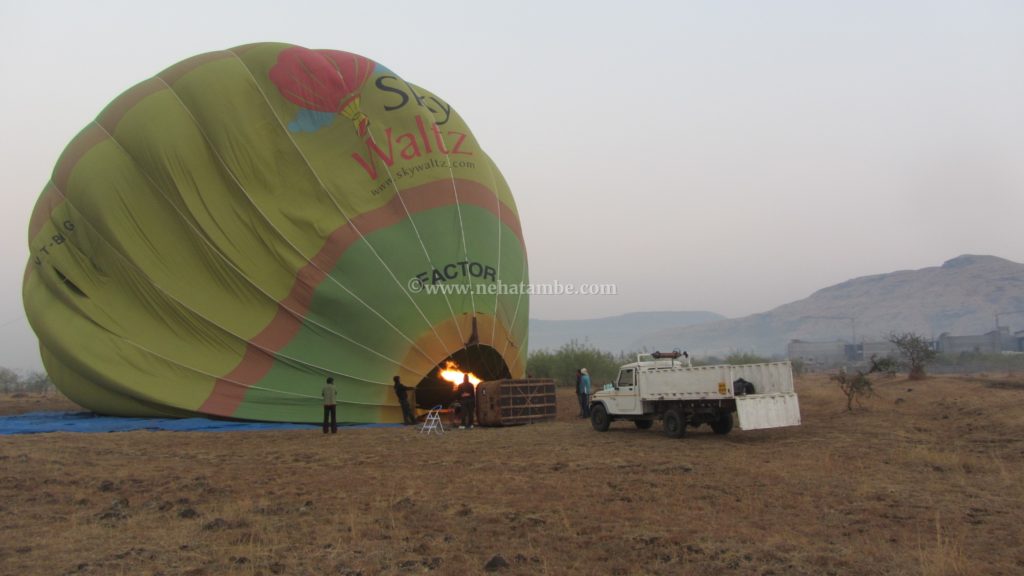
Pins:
<point x="247" y="222"/>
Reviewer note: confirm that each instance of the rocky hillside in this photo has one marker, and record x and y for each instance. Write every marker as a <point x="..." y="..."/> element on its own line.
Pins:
<point x="960" y="297"/>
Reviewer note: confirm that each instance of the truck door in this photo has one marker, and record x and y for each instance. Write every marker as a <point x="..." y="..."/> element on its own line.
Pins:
<point x="626" y="392"/>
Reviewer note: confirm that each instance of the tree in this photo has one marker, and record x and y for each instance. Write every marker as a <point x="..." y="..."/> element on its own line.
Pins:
<point x="916" y="351"/>
<point x="856" y="386"/>
<point x="8" y="380"/>
<point x="35" y="382"/>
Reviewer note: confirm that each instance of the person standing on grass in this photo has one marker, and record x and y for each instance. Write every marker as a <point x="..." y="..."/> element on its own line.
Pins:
<point x="579" y="393"/>
<point x="402" y="391"/>
<point x="585" y="392"/>
<point x="467" y="399"/>
<point x="329" y="394"/>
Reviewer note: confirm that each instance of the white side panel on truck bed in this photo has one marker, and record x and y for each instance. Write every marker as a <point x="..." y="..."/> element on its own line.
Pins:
<point x="680" y="382"/>
<point x="767" y="411"/>
<point x="771" y="378"/>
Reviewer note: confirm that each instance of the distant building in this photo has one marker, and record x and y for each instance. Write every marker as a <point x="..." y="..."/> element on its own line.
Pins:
<point x="838" y="352"/>
<point x="879" y="349"/>
<point x="994" y="342"/>
<point x="818" y="354"/>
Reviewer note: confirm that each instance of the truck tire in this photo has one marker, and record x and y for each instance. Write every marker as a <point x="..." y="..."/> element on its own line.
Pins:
<point x="723" y="425"/>
<point x="599" y="418"/>
<point x="643" y="424"/>
<point x="673" y="423"/>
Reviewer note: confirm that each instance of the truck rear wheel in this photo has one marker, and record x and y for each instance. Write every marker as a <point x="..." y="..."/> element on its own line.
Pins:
<point x="643" y="424"/>
<point x="723" y="425"/>
<point x="599" y="418"/>
<point x="674" y="425"/>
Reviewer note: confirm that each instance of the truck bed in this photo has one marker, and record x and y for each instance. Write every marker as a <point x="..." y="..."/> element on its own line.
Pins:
<point x="712" y="382"/>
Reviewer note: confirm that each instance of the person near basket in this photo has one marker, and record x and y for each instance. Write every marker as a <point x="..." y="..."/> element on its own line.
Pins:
<point x="466" y="395"/>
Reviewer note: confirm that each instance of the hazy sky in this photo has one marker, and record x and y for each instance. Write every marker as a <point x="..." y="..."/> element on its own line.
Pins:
<point x="713" y="155"/>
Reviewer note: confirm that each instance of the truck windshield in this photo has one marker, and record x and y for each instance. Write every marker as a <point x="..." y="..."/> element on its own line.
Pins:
<point x="626" y="377"/>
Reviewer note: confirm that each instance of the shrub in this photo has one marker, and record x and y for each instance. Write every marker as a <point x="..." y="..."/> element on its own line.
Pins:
<point x="916" y="351"/>
<point x="11" y="381"/>
<point x="856" y="387"/>
<point x="563" y="363"/>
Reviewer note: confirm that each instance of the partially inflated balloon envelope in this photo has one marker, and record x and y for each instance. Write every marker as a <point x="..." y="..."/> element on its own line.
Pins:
<point x="230" y="232"/>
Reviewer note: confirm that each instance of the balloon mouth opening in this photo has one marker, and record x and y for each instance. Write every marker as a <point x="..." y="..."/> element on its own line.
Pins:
<point x="478" y="360"/>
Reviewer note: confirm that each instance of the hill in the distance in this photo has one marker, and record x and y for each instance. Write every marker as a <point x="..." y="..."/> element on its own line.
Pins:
<point x="960" y="297"/>
<point x="613" y="334"/>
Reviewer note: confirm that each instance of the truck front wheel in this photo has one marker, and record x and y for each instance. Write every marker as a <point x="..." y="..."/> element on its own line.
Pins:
<point x="599" y="418"/>
<point x="675" y="426"/>
<point x="723" y="425"/>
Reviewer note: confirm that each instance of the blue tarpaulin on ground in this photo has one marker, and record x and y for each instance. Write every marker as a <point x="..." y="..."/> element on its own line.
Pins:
<point x="40" y="422"/>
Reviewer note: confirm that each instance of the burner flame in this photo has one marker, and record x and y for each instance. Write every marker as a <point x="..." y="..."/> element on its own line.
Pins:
<point x="451" y="373"/>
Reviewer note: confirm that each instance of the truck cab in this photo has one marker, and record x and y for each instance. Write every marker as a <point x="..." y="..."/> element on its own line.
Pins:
<point x="660" y="387"/>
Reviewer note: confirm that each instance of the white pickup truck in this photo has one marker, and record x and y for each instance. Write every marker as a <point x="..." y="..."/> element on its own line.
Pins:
<point x="660" y="387"/>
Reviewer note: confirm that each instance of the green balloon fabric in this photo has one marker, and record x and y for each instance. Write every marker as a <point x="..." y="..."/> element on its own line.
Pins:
<point x="230" y="232"/>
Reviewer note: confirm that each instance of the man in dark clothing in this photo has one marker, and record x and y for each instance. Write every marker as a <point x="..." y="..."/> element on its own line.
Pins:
<point x="329" y="395"/>
<point x="402" y="391"/>
<point x="467" y="398"/>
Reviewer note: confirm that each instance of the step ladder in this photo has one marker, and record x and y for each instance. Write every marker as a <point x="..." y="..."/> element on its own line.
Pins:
<point x="432" y="423"/>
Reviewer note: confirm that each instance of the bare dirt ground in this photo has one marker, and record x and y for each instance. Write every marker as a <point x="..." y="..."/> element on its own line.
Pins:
<point x="23" y="402"/>
<point x="925" y="479"/>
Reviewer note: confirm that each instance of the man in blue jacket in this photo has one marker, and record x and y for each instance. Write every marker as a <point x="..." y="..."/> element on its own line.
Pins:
<point x="585" y="393"/>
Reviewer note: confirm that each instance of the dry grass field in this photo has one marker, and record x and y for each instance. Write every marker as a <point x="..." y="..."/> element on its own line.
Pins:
<point x="925" y="479"/>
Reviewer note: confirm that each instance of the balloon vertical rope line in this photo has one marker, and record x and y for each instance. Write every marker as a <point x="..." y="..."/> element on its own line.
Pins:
<point x="462" y="228"/>
<point x="426" y="253"/>
<point x="515" y="316"/>
<point x="522" y="277"/>
<point x="458" y="205"/>
<point x="497" y="264"/>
